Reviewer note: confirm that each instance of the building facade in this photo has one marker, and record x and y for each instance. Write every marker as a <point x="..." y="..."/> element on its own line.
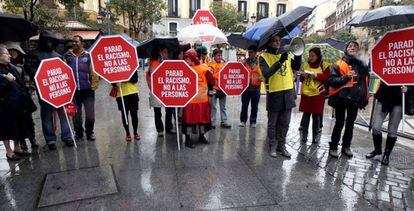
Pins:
<point x="348" y="9"/>
<point x="316" y="21"/>
<point x="180" y="12"/>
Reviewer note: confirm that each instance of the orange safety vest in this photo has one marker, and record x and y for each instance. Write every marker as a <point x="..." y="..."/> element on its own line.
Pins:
<point x="255" y="75"/>
<point x="152" y="66"/>
<point x="216" y="69"/>
<point x="202" y="95"/>
<point x="344" y="68"/>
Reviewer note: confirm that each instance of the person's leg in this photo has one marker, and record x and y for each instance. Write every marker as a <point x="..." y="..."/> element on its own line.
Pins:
<point x="272" y="118"/>
<point x="48" y="128"/>
<point x="169" y="113"/>
<point x="124" y="121"/>
<point x="351" y="115"/>
<point x="134" y="119"/>
<point x="31" y="131"/>
<point x="9" y="152"/>
<point x="394" y="121"/>
<point x="304" y="126"/>
<point x="213" y="102"/>
<point x="377" y="120"/>
<point x="255" y="98"/>
<point x="66" y="135"/>
<point x="223" y="111"/>
<point x="158" y="120"/>
<point x="283" y="127"/>
<point x="77" y="120"/>
<point x="89" y="103"/>
<point x="336" y="133"/>
<point x="316" y="129"/>
<point x="245" y="98"/>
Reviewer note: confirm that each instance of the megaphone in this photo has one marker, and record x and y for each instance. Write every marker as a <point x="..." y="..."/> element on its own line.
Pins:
<point x="296" y="46"/>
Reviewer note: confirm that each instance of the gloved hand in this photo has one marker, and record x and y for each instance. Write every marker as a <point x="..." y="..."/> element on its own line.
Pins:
<point x="10" y="77"/>
<point x="283" y="57"/>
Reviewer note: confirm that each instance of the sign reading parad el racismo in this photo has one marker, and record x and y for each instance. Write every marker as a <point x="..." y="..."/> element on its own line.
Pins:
<point x="392" y="58"/>
<point x="204" y="17"/>
<point x="233" y="79"/>
<point x="55" y="81"/>
<point x="174" y="83"/>
<point x="114" y="58"/>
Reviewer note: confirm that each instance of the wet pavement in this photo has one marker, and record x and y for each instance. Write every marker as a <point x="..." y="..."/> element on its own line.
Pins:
<point x="234" y="172"/>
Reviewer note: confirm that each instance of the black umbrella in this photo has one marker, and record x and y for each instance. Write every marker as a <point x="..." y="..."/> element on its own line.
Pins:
<point x="337" y="44"/>
<point x="147" y="47"/>
<point x="385" y="16"/>
<point x="285" y="23"/>
<point x="15" y="28"/>
<point x="237" y="40"/>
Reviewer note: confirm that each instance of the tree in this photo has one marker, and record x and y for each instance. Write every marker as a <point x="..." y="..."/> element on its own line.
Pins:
<point x="345" y="36"/>
<point x="228" y="18"/>
<point x="72" y="7"/>
<point x="314" y="38"/>
<point x="141" y="13"/>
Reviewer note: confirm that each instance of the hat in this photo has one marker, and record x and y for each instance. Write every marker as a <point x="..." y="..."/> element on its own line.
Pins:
<point x="15" y="46"/>
<point x="202" y="50"/>
<point x="192" y="55"/>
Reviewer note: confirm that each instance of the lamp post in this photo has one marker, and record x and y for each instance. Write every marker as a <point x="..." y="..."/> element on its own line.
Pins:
<point x="253" y="18"/>
<point x="108" y="17"/>
<point x="99" y="21"/>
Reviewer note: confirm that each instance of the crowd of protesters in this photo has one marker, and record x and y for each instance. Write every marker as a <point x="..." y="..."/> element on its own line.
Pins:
<point x="346" y="82"/>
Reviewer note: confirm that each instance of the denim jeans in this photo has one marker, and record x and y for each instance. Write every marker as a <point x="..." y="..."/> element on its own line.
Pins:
<point x="86" y="99"/>
<point x="223" y="113"/>
<point x="48" y="127"/>
<point x="252" y="96"/>
<point x="393" y="122"/>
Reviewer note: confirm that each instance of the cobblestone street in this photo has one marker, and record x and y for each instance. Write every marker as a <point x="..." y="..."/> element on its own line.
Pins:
<point x="234" y="172"/>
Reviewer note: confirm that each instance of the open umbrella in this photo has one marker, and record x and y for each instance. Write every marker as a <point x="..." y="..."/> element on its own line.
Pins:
<point x="15" y="28"/>
<point x="205" y="33"/>
<point x="282" y="25"/>
<point x="237" y="40"/>
<point x="147" y="47"/>
<point x="337" y="44"/>
<point x="385" y="16"/>
<point x="329" y="54"/>
<point x="130" y="40"/>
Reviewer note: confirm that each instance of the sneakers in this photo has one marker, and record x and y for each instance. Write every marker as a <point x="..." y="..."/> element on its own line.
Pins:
<point x="284" y="153"/>
<point x="51" y="146"/>
<point x="333" y="153"/>
<point x="225" y="125"/>
<point x="373" y="154"/>
<point x="91" y="137"/>
<point x="69" y="143"/>
<point x="128" y="139"/>
<point x="203" y="140"/>
<point x="137" y="137"/>
<point x="253" y="125"/>
<point x="160" y="134"/>
<point x="242" y="124"/>
<point x="347" y="151"/>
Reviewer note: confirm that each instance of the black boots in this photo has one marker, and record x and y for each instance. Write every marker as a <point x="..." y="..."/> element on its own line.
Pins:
<point x="188" y="142"/>
<point x="377" y="139"/>
<point x="389" y="145"/>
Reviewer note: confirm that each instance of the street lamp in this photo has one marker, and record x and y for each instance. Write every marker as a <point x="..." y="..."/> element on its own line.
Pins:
<point x="253" y="18"/>
<point x="108" y="17"/>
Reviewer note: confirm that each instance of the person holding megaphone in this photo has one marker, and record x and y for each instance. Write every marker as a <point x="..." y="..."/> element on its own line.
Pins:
<point x="278" y="70"/>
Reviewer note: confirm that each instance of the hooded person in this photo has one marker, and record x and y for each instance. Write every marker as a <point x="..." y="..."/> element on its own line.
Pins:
<point x="348" y="91"/>
<point x="196" y="115"/>
<point x="46" y="50"/>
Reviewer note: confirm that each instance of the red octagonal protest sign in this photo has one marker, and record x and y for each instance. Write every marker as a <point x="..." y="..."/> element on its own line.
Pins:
<point x="174" y="83"/>
<point x="233" y="78"/>
<point x="392" y="58"/>
<point x="55" y="82"/>
<point x="114" y="58"/>
<point x="204" y="17"/>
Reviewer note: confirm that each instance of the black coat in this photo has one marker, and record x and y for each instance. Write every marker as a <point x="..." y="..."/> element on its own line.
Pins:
<point x="356" y="95"/>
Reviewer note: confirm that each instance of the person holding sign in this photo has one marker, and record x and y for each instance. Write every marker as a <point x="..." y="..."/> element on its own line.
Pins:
<point x="131" y="99"/>
<point x="348" y="92"/>
<point x="196" y="115"/>
<point x="314" y="75"/>
<point x="278" y="70"/>
<point x="389" y="102"/>
<point x="252" y="93"/>
<point x="87" y="82"/>
<point x="14" y="101"/>
<point x="219" y="95"/>
<point x="46" y="49"/>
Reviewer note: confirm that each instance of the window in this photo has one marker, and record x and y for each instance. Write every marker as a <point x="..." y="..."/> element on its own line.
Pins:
<point x="173" y="8"/>
<point x="173" y="29"/>
<point x="262" y="10"/>
<point x="281" y="8"/>
<point x="242" y="8"/>
<point x="194" y="6"/>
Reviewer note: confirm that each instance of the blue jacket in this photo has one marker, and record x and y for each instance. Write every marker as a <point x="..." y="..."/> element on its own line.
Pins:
<point x="82" y="69"/>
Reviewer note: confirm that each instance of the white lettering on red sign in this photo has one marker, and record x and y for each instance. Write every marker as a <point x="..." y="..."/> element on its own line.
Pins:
<point x="174" y="84"/>
<point x="399" y="59"/>
<point x="233" y="80"/>
<point x="115" y="59"/>
<point x="57" y="83"/>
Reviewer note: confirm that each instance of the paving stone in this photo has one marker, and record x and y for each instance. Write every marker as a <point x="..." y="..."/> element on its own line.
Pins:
<point x="75" y="185"/>
<point x="383" y="196"/>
